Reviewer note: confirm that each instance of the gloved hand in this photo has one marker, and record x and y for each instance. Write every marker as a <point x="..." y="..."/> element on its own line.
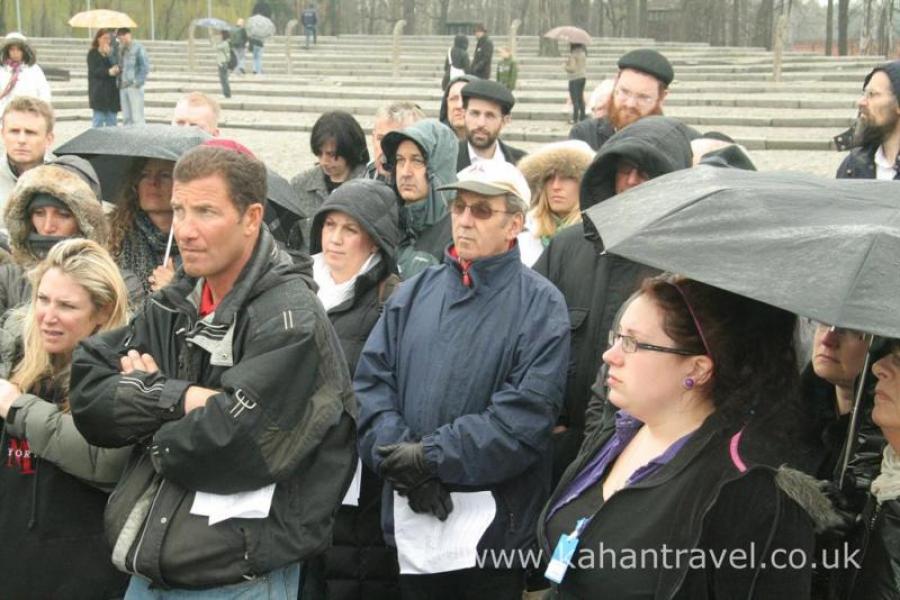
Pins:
<point x="847" y="518"/>
<point x="432" y="497"/>
<point x="404" y="465"/>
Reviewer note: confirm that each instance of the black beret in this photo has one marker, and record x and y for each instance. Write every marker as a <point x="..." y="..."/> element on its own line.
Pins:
<point x="650" y="62"/>
<point x="490" y="90"/>
<point x="892" y="70"/>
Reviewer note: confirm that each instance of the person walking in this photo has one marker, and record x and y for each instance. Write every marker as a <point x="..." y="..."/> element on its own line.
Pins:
<point x="310" y="20"/>
<point x="103" y="94"/>
<point x="223" y="57"/>
<point x="238" y="41"/>
<point x="575" y="69"/>
<point x="134" y="66"/>
<point x="457" y="62"/>
<point x="484" y="53"/>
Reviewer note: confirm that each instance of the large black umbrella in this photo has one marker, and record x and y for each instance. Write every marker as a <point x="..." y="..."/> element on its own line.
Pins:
<point x="821" y="248"/>
<point x="113" y="150"/>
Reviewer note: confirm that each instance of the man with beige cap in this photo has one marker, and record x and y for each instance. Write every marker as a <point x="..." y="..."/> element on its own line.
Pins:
<point x="459" y="385"/>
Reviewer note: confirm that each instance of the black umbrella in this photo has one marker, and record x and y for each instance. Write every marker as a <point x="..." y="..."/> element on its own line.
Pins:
<point x="113" y="150"/>
<point x="821" y="248"/>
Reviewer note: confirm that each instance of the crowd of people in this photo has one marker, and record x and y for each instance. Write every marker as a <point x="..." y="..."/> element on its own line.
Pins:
<point x="432" y="384"/>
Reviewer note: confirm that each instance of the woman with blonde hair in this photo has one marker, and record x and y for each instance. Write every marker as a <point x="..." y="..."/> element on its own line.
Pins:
<point x="53" y="485"/>
<point x="554" y="175"/>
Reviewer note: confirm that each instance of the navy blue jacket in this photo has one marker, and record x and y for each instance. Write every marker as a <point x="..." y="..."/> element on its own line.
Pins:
<point x="477" y="374"/>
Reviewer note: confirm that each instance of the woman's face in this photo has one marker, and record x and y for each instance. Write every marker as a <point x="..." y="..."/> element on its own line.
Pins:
<point x="886" y="412"/>
<point x="53" y="220"/>
<point x="645" y="383"/>
<point x="16" y="53"/>
<point x="838" y="354"/>
<point x="345" y="245"/>
<point x="335" y="167"/>
<point x="155" y="186"/>
<point x="562" y="194"/>
<point x="64" y="312"/>
<point x="104" y="40"/>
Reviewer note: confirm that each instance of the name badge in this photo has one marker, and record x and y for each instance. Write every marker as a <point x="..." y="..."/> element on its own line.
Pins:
<point x="562" y="554"/>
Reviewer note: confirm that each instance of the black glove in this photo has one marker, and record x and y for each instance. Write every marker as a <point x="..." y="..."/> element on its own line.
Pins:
<point x="404" y="465"/>
<point x="847" y="517"/>
<point x="431" y="497"/>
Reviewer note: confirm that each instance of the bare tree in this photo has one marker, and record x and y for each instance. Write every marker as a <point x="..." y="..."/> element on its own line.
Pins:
<point x="843" y="26"/>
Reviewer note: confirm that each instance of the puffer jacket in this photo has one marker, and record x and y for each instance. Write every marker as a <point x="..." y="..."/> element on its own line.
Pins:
<point x="47" y="552"/>
<point x="476" y="374"/>
<point x="596" y="284"/>
<point x="284" y="416"/>
<point x="15" y="288"/>
<point x="360" y="566"/>
<point x="425" y="225"/>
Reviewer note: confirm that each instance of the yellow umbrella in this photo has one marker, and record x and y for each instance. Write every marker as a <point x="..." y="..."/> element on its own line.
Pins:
<point x="101" y="19"/>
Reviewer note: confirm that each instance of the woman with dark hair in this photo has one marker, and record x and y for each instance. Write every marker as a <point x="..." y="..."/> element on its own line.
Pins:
<point x="141" y="222"/>
<point x="457" y="62"/>
<point x="339" y="143"/>
<point x="54" y="485"/>
<point x="19" y="74"/>
<point x="701" y="378"/>
<point x="575" y="69"/>
<point x="103" y="93"/>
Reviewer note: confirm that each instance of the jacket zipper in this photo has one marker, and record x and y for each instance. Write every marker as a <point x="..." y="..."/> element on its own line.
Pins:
<point x="147" y="525"/>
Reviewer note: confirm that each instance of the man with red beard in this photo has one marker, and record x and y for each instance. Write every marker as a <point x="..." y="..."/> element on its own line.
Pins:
<point x="641" y="87"/>
<point x="877" y="131"/>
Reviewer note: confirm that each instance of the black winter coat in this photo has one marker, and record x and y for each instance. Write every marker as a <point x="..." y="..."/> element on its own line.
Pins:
<point x="103" y="93"/>
<point x="700" y="499"/>
<point x="596" y="284"/>
<point x="459" y="54"/>
<point x="511" y="154"/>
<point x="594" y="132"/>
<point x="359" y="565"/>
<point x="859" y="164"/>
<point x="879" y="578"/>
<point x="283" y="414"/>
<point x="481" y="61"/>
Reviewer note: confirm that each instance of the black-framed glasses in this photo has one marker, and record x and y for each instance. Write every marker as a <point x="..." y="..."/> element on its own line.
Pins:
<point x="630" y="345"/>
<point x="480" y="210"/>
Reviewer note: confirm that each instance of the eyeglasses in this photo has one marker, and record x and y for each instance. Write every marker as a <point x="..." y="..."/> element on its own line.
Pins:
<point x="639" y="99"/>
<point x="841" y="332"/>
<point x="480" y="210"/>
<point x="630" y="345"/>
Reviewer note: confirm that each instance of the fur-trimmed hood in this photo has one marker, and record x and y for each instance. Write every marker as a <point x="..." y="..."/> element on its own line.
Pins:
<point x="570" y="159"/>
<point x="69" y="188"/>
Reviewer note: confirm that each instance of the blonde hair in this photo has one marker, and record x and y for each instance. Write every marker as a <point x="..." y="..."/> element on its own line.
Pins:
<point x="91" y="266"/>
<point x="545" y="221"/>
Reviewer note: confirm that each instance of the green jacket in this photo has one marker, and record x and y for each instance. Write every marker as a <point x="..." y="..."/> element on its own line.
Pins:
<point x="507" y="73"/>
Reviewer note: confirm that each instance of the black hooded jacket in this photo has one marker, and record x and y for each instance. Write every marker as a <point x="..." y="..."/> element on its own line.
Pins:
<point x="359" y="565"/>
<point x="374" y="206"/>
<point x="594" y="284"/>
<point x="459" y="54"/>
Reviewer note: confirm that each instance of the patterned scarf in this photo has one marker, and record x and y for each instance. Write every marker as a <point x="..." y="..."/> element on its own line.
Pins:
<point x="143" y="249"/>
<point x="16" y="68"/>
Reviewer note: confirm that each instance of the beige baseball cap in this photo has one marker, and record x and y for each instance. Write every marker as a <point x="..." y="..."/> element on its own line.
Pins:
<point x="493" y="178"/>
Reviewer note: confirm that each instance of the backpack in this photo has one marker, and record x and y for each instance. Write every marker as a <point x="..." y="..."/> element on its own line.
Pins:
<point x="232" y="60"/>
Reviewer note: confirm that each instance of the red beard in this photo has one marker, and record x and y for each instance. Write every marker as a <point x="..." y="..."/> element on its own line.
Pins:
<point x="621" y="116"/>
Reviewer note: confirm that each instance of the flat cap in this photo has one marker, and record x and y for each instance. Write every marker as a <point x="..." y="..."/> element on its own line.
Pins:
<point x="490" y="90"/>
<point x="649" y="61"/>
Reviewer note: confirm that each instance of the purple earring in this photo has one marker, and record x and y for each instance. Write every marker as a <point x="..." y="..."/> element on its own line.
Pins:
<point x="688" y="383"/>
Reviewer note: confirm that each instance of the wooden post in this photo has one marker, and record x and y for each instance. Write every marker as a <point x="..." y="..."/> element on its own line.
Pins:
<point x="778" y="46"/>
<point x="288" y="32"/>
<point x="192" y="51"/>
<point x="395" y="54"/>
<point x="513" y="31"/>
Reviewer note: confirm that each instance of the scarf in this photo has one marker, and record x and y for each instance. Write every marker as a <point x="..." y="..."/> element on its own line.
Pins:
<point x="333" y="294"/>
<point x="16" y="68"/>
<point x="40" y="245"/>
<point x="143" y="249"/>
<point x="886" y="486"/>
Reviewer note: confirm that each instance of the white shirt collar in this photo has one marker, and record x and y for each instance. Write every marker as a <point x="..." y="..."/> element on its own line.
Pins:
<point x="475" y="159"/>
<point x="884" y="169"/>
